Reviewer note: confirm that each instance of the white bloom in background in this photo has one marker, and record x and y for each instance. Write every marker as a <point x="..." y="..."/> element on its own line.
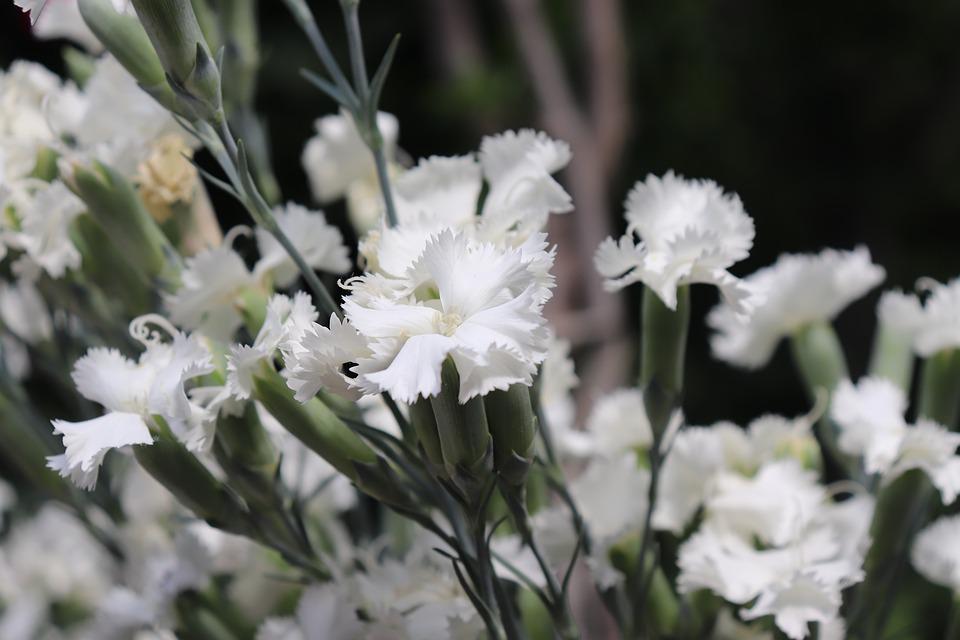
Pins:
<point x="696" y="456"/>
<point x="45" y="211"/>
<point x="518" y="166"/>
<point x="26" y="124"/>
<point x="209" y="288"/>
<point x="61" y="19"/>
<point x="798" y="290"/>
<point x="132" y="392"/>
<point x="618" y="423"/>
<point x="49" y="558"/>
<point x="8" y="498"/>
<point x="556" y="383"/>
<point x="689" y="231"/>
<point x="23" y="311"/>
<point x="319" y="243"/>
<point x="900" y="312"/>
<point x="324" y="613"/>
<point x="936" y="555"/>
<point x="939" y="321"/>
<point x="339" y="164"/>
<point x="870" y="417"/>
<point x="119" y="122"/>
<point x="772" y="506"/>
<point x="479" y="305"/>
<point x="439" y="192"/>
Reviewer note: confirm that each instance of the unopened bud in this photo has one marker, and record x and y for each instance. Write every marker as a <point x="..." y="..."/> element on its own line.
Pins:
<point x="513" y="427"/>
<point x="464" y="435"/>
<point x="115" y="205"/>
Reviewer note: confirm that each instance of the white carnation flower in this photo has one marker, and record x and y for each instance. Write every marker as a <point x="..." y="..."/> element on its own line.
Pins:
<point x="316" y="360"/>
<point x="797" y="290"/>
<point x="900" y="312"/>
<point x="132" y="392"/>
<point x="936" y="555"/>
<point x="45" y="211"/>
<point x="938" y="325"/>
<point x="24" y="312"/>
<point x="689" y="231"/>
<point x="518" y="166"/>
<point x="439" y="191"/>
<point x="337" y="156"/>
<point x="209" y="288"/>
<point x="471" y="301"/>
<point x="616" y="424"/>
<point x="870" y="418"/>
<point x="287" y="320"/>
<point x="319" y="243"/>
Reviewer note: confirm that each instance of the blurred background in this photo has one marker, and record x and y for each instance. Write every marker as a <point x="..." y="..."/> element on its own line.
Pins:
<point x="838" y="123"/>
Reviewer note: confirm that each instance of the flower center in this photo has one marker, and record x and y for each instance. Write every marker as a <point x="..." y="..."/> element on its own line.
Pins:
<point x="449" y="323"/>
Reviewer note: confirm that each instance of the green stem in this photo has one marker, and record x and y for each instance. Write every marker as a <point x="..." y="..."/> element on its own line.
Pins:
<point x="892" y="357"/>
<point x="940" y="388"/>
<point x="819" y="358"/>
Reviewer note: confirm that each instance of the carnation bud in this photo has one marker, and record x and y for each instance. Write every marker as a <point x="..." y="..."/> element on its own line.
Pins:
<point x="178" y="40"/>
<point x="312" y="423"/>
<point x="513" y="427"/>
<point x="464" y="436"/>
<point x="125" y="38"/>
<point x="104" y="265"/>
<point x="940" y="387"/>
<point x="663" y="349"/>
<point x="115" y="205"/>
<point x="192" y="484"/>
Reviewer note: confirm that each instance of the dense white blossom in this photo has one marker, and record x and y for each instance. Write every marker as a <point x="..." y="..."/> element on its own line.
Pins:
<point x="131" y="392"/>
<point x="870" y="417"/>
<point x="463" y="299"/>
<point x="798" y="290"/>
<point x="62" y="19"/>
<point x="938" y="324"/>
<point x="936" y="555"/>
<point x="319" y="243"/>
<point x="689" y="231"/>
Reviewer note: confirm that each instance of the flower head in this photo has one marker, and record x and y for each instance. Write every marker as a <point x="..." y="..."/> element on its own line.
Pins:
<point x="132" y="392"/>
<point x="938" y="323"/>
<point x="463" y="299"/>
<point x="935" y="553"/>
<point x="320" y="244"/>
<point x="797" y="290"/>
<point x="689" y="231"/>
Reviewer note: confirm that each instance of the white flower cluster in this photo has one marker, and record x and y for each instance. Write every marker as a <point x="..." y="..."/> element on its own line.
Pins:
<point x="453" y="279"/>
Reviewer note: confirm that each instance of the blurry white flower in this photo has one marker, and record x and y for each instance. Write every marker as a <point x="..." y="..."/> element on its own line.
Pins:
<point x="29" y="120"/>
<point x="618" y="422"/>
<point x="689" y="231"/>
<point x="132" y="392"/>
<point x="936" y="555"/>
<point x="697" y="455"/>
<point x="24" y="312"/>
<point x="870" y="417"/>
<point x="119" y="121"/>
<point x="773" y="506"/>
<point x="439" y="191"/>
<point x="337" y="162"/>
<point x="319" y="243"/>
<point x="900" y="312"/>
<point x="50" y="558"/>
<point x="209" y="288"/>
<point x="797" y="290"/>
<point x="61" y="19"/>
<point x="518" y="166"/>
<point x="477" y="304"/>
<point x="938" y="325"/>
<point x="45" y="211"/>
